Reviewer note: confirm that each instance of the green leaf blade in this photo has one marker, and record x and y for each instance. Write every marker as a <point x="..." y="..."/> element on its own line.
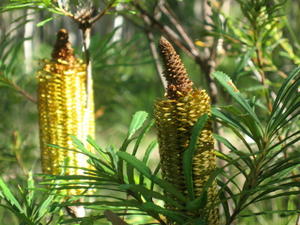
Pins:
<point x="137" y="122"/>
<point x="189" y="154"/>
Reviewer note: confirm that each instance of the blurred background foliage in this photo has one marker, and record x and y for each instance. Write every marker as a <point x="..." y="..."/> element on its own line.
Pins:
<point x="254" y="41"/>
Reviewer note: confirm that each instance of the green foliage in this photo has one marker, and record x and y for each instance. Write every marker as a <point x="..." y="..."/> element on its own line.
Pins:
<point x="256" y="44"/>
<point x="259" y="40"/>
<point x="126" y="175"/>
<point x="9" y="50"/>
<point x="265" y="166"/>
<point x="27" y="4"/>
<point x="122" y="73"/>
<point x="28" y="208"/>
<point x="12" y="82"/>
<point x="137" y="122"/>
<point x="265" y="169"/>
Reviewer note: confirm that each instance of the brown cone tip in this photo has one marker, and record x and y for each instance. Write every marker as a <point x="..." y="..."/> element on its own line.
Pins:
<point x="63" y="49"/>
<point x="175" y="73"/>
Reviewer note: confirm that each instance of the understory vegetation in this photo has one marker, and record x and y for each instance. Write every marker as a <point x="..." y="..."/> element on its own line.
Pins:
<point x="149" y="112"/>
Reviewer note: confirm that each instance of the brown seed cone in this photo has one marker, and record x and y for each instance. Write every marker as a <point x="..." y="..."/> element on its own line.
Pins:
<point x="62" y="106"/>
<point x="175" y="72"/>
<point x="175" y="118"/>
<point x="63" y="49"/>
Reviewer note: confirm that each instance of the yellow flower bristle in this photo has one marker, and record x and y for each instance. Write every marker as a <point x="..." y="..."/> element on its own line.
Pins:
<point x="175" y="117"/>
<point x="62" y="105"/>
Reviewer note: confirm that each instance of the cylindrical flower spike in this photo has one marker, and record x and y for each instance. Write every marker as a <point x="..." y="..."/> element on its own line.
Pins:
<point x="62" y="105"/>
<point x="175" y="117"/>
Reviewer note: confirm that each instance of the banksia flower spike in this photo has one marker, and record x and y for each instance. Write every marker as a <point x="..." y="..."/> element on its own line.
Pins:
<point x="62" y="105"/>
<point x="175" y="117"/>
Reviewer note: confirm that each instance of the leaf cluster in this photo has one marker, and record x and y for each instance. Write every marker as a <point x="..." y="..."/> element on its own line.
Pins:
<point x="267" y="169"/>
<point x="264" y="165"/>
<point x="28" y="208"/>
<point x="133" y="187"/>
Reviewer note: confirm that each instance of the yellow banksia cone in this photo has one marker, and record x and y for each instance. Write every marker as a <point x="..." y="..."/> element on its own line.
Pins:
<point x="63" y="107"/>
<point x="175" y="117"/>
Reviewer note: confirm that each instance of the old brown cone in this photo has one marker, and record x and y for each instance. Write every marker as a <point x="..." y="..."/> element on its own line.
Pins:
<point x="175" y="72"/>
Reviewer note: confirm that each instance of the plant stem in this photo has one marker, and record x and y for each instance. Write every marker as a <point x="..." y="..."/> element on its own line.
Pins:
<point x="155" y="56"/>
<point x="263" y="77"/>
<point x="298" y="220"/>
<point x="239" y="207"/>
<point x="17" y="88"/>
<point x="86" y="37"/>
<point x="103" y="12"/>
<point x="17" y="151"/>
<point x="24" y="93"/>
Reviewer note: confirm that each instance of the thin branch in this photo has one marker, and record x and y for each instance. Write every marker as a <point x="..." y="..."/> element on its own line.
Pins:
<point x="174" y="20"/>
<point x="169" y="32"/>
<point x="102" y="13"/>
<point x="50" y="219"/>
<point x="17" y="88"/>
<point x="140" y="26"/>
<point x="155" y="56"/>
<point x="86" y="41"/>
<point x="17" y="149"/>
<point x="263" y="78"/>
<point x="86" y="37"/>
<point x="298" y="220"/>
<point x="154" y="52"/>
<point x="181" y="43"/>
<point x="24" y="93"/>
<point x="20" y="90"/>
<point x="114" y="218"/>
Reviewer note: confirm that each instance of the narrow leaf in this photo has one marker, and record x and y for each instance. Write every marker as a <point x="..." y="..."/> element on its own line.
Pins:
<point x="9" y="196"/>
<point x="137" y="122"/>
<point x="189" y="154"/>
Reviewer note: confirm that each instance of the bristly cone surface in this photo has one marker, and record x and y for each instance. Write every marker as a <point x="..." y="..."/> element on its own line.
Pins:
<point x="175" y="118"/>
<point x="62" y="106"/>
<point x="175" y="72"/>
<point x="63" y="49"/>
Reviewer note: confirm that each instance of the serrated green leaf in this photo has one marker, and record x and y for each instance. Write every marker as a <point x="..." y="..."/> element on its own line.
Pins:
<point x="9" y="196"/>
<point x="137" y="164"/>
<point x="137" y="122"/>
<point x="143" y="169"/>
<point x="227" y="83"/>
<point x="45" y="207"/>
